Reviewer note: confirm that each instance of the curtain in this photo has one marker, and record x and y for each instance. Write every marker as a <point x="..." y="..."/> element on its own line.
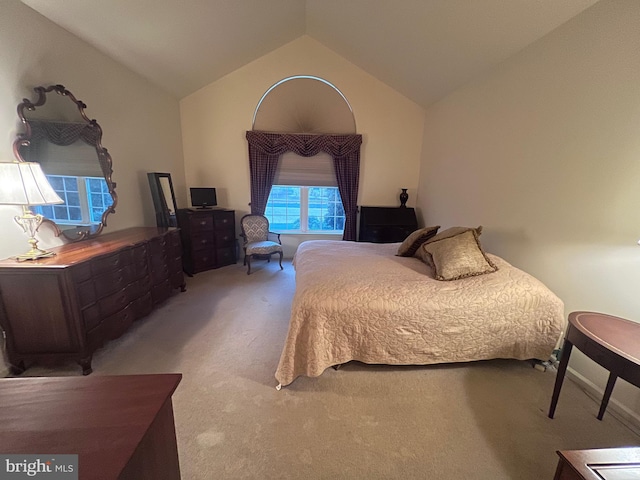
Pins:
<point x="65" y="133"/>
<point x="265" y="150"/>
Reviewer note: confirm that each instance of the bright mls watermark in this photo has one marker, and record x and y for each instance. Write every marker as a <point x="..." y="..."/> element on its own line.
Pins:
<point x="50" y="467"/>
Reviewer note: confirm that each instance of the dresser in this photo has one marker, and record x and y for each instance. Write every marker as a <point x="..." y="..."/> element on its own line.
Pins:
<point x="121" y="427"/>
<point x="386" y="224"/>
<point x="208" y="238"/>
<point x="599" y="464"/>
<point x="67" y="306"/>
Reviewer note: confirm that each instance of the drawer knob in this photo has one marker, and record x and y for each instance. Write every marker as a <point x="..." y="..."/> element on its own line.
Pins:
<point x="203" y="222"/>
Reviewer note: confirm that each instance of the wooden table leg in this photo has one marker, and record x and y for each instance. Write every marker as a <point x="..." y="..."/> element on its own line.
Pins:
<point x="562" y="369"/>
<point x="607" y="394"/>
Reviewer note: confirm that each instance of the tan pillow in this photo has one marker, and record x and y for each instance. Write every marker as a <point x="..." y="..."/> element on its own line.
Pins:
<point x="449" y="232"/>
<point x="457" y="254"/>
<point x="411" y="244"/>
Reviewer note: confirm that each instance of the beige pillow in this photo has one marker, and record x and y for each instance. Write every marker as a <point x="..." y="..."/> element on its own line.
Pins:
<point x="457" y="254"/>
<point x="411" y="244"/>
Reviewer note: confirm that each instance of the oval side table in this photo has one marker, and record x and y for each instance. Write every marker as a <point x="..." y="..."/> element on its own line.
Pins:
<point x="612" y="342"/>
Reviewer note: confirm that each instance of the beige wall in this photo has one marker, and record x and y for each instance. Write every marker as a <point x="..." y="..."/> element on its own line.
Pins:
<point x="215" y="119"/>
<point x="544" y="151"/>
<point x="141" y="123"/>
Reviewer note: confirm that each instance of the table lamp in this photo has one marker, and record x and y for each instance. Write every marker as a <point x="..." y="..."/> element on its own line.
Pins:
<point x="24" y="183"/>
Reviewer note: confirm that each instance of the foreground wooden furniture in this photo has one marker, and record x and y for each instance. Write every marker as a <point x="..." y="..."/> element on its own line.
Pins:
<point x="121" y="427"/>
<point x="599" y="464"/>
<point x="612" y="342"/>
<point x="386" y="224"/>
<point x="208" y="238"/>
<point x="65" y="307"/>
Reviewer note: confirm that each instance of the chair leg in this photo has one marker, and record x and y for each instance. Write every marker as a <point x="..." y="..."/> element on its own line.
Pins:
<point x="281" y="268"/>
<point x="248" y="260"/>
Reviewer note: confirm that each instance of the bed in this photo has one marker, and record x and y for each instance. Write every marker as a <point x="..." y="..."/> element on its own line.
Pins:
<point x="360" y="301"/>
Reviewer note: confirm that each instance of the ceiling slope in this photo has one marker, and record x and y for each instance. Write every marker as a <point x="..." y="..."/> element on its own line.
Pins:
<point x="424" y="49"/>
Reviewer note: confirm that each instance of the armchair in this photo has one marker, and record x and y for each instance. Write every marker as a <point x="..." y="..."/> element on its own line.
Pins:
<point x="259" y="242"/>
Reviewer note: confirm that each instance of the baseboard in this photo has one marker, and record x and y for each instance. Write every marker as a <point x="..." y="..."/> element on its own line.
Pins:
<point x="622" y="413"/>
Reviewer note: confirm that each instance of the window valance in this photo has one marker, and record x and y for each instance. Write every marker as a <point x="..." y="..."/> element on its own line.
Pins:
<point x="266" y="148"/>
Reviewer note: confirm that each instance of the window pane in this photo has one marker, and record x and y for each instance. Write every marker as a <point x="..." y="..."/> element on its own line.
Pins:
<point x="283" y="208"/>
<point x="326" y="212"/>
<point x="99" y="198"/>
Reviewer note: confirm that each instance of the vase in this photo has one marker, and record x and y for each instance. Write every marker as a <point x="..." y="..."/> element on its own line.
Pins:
<point x="404" y="196"/>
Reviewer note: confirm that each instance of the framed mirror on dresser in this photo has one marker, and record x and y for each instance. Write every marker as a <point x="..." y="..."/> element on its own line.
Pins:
<point x="94" y="286"/>
<point x="68" y="145"/>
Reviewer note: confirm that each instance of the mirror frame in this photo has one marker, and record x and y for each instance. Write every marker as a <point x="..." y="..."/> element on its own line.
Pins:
<point x="163" y="216"/>
<point x="104" y="158"/>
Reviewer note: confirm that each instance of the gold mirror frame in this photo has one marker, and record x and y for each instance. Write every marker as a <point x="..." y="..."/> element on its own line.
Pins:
<point x="24" y="139"/>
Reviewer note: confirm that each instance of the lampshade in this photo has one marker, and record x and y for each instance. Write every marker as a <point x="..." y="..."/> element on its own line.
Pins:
<point x="24" y="183"/>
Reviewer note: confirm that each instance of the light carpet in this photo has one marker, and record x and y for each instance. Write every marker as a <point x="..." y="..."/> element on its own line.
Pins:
<point x="482" y="420"/>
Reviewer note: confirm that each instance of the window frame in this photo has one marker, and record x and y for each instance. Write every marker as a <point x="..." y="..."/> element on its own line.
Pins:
<point x="304" y="211"/>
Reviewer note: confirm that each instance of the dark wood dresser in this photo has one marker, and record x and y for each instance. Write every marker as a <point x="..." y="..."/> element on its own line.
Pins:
<point x="65" y="307"/>
<point x="386" y="224"/>
<point x="599" y="464"/>
<point x="121" y="427"/>
<point x="208" y="238"/>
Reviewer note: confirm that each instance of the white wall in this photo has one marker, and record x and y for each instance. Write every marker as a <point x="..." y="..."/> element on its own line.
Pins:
<point x="544" y="151"/>
<point x="141" y="123"/>
<point x="216" y="118"/>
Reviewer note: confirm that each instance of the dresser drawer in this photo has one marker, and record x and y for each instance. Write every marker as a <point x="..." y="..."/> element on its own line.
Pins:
<point x="203" y="260"/>
<point x="111" y="262"/>
<point x="86" y="293"/>
<point x="91" y="317"/>
<point x="200" y="223"/>
<point x="225" y="256"/>
<point x="114" y="302"/>
<point x="202" y="241"/>
<point x="110" y="282"/>
<point x="224" y="219"/>
<point x="161" y="291"/>
<point x="225" y="238"/>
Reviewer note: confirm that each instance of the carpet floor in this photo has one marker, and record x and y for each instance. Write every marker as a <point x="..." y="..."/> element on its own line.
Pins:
<point x="481" y="420"/>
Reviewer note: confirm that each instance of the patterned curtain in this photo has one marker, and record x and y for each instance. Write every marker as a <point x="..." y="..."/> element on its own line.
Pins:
<point x="65" y="133"/>
<point x="265" y="150"/>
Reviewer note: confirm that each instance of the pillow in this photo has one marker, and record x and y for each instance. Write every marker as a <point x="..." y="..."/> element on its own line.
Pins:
<point x="411" y="244"/>
<point x="449" y="232"/>
<point x="457" y="254"/>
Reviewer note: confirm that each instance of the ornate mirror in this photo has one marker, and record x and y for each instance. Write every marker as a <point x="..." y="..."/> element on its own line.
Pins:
<point x="60" y="137"/>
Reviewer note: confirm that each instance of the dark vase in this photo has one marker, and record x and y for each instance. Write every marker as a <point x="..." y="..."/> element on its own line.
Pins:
<point x="404" y="196"/>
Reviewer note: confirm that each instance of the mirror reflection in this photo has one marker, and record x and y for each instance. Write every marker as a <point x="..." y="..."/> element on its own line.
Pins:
<point x="66" y="143"/>
<point x="164" y="200"/>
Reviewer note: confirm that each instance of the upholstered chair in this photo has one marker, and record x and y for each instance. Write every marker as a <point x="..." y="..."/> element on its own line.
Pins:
<point x="259" y="242"/>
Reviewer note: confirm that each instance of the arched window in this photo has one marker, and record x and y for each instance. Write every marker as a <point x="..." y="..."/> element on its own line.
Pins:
<point x="304" y="143"/>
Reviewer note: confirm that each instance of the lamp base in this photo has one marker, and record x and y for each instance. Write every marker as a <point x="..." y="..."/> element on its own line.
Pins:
<point x="33" y="254"/>
<point x="30" y="223"/>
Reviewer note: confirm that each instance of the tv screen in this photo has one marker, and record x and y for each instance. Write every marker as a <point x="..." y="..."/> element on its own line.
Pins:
<point x="203" y="197"/>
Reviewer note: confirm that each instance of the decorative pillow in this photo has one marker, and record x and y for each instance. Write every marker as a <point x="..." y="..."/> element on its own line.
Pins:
<point x="449" y="232"/>
<point x="410" y="246"/>
<point x="457" y="254"/>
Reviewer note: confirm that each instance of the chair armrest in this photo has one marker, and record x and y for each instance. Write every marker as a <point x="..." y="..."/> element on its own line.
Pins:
<point x="276" y="235"/>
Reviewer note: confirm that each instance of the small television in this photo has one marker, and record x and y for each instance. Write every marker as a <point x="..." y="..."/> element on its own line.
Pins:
<point x="203" y="197"/>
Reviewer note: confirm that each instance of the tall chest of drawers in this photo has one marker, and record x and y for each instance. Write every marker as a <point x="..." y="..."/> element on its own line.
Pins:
<point x="65" y="307"/>
<point x="208" y="238"/>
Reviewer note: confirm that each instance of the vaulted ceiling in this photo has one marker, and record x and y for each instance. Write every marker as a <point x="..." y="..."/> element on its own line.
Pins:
<point x="422" y="48"/>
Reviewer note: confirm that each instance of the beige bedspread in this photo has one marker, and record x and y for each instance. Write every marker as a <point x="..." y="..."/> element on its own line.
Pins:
<point x="358" y="301"/>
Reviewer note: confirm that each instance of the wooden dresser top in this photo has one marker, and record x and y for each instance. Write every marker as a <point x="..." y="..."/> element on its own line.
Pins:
<point x="72" y="253"/>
